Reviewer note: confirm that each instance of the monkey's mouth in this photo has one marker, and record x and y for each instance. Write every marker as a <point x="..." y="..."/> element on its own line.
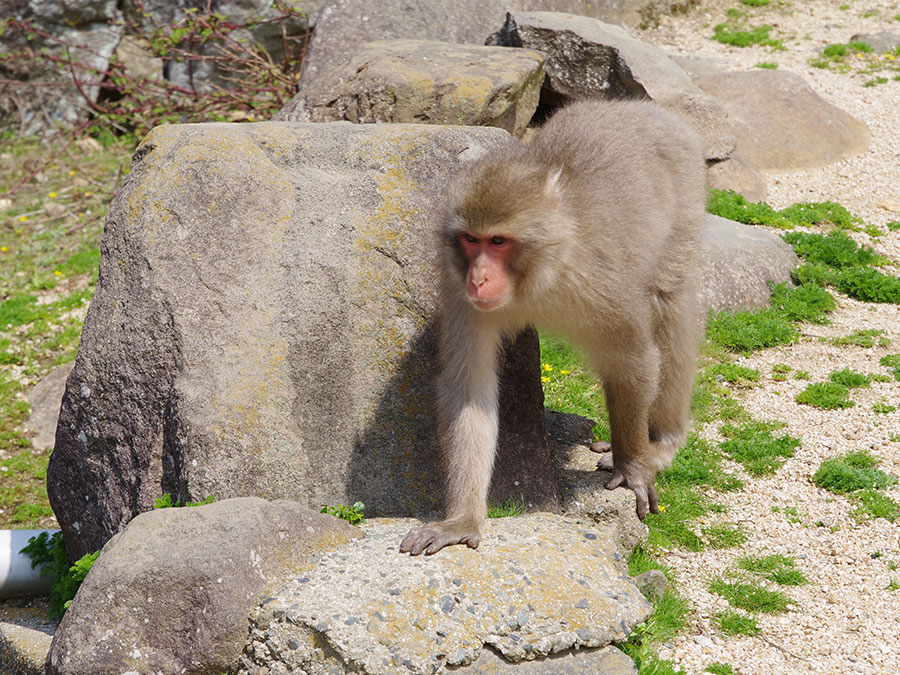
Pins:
<point x="488" y="304"/>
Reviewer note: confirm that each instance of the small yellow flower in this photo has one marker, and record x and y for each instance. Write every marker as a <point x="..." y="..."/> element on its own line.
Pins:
<point x="547" y="367"/>
<point x="859" y="55"/>
<point x="88" y="194"/>
<point x="3" y="249"/>
<point x="22" y="219"/>
<point x="52" y="195"/>
<point x="662" y="507"/>
<point x="545" y="379"/>
<point x="890" y="56"/>
<point x="564" y="372"/>
<point x="57" y="273"/>
<point x="72" y="172"/>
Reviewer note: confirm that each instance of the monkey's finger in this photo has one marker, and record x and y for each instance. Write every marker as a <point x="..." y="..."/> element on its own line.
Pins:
<point x="601" y="446"/>
<point x="615" y="480"/>
<point x="654" y="499"/>
<point x="643" y="502"/>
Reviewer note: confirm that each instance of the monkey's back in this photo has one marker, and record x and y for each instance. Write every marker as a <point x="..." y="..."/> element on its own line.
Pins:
<point x="635" y="171"/>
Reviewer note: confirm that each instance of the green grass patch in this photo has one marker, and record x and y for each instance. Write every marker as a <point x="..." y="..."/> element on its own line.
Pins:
<point x="756" y="448"/>
<point x="506" y="509"/>
<point x="729" y="204"/>
<point x="882" y="408"/>
<point x="834" y="249"/>
<point x="766" y="65"/>
<point x="780" y="569"/>
<point x="737" y="36"/>
<point x="718" y="668"/>
<point x="864" y="337"/>
<point x="732" y="622"/>
<point x="874" y="504"/>
<point x="808" y="302"/>
<point x="745" y="332"/>
<point x="569" y="386"/>
<point x="724" y="535"/>
<point x="892" y="361"/>
<point x="851" y="472"/>
<point x="826" y="395"/>
<point x="731" y="373"/>
<point x="751" y="597"/>
<point x="849" y="378"/>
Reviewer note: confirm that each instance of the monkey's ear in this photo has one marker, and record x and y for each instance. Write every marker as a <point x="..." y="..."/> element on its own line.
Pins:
<point x="552" y="187"/>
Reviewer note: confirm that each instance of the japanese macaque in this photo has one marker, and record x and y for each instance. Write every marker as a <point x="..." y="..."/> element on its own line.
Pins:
<point x="590" y="231"/>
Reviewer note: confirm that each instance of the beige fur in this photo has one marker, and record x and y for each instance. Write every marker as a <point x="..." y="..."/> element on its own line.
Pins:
<point x="605" y="206"/>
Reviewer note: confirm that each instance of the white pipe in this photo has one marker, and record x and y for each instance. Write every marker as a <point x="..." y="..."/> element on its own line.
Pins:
<point x="16" y="575"/>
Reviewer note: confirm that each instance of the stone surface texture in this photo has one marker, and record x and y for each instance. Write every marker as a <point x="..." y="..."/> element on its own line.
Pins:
<point x="739" y="262"/>
<point x="780" y="123"/>
<point x="264" y="325"/>
<point x="587" y="58"/>
<point x="173" y="592"/>
<point x="538" y="585"/>
<point x="434" y="83"/>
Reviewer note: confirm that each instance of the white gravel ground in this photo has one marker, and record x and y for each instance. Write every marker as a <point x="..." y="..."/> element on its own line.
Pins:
<point x="846" y="620"/>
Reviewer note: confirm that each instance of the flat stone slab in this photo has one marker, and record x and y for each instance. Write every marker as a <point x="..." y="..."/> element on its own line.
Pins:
<point x="538" y="585"/>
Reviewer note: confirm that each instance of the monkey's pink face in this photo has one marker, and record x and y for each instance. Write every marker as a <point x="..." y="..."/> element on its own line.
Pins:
<point x="488" y="281"/>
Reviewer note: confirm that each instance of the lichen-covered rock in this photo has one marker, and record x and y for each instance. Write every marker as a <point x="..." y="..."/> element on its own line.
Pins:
<point x="538" y="585"/>
<point x="587" y="58"/>
<point x="174" y="591"/>
<point x="264" y="325"/>
<point x="420" y="81"/>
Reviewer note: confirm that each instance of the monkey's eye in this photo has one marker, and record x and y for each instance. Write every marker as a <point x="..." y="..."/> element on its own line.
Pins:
<point x="498" y="241"/>
<point x="469" y="238"/>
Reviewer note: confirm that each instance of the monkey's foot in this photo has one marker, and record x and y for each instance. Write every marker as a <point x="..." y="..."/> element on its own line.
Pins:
<point x="644" y="490"/>
<point x="601" y="447"/>
<point x="433" y="537"/>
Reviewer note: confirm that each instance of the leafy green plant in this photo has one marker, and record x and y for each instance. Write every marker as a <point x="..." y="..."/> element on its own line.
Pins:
<point x="738" y="36"/>
<point x="50" y="553"/>
<point x="849" y="378"/>
<point x="165" y="502"/>
<point x="864" y="337"/>
<point x="851" y="472"/>
<point x="729" y="204"/>
<point x="826" y="395"/>
<point x="721" y="668"/>
<point x="882" y="408"/>
<point x="756" y="449"/>
<point x="767" y="65"/>
<point x="875" y="504"/>
<point x="746" y="331"/>
<point x="355" y="515"/>
<point x="732" y="373"/>
<point x="892" y="361"/>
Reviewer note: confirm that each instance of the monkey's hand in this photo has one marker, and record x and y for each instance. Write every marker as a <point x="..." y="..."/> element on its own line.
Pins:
<point x="433" y="537"/>
<point x="643" y="486"/>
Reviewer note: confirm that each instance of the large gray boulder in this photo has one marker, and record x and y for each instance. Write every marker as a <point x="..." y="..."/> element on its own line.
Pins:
<point x="587" y="58"/>
<point x="173" y="593"/>
<point x="539" y="586"/>
<point x="421" y="81"/>
<point x="739" y="262"/>
<point x="780" y="123"/>
<point x="343" y="24"/>
<point x="263" y="325"/>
